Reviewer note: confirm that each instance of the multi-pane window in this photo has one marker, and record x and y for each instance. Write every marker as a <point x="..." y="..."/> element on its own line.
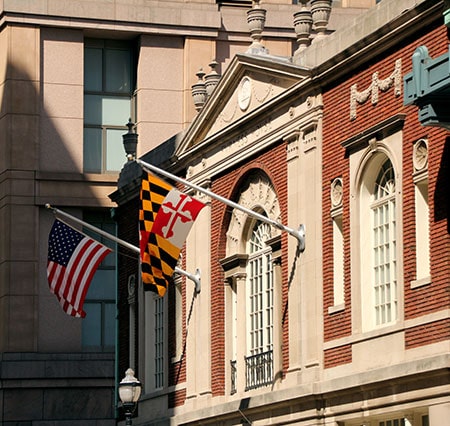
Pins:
<point x="259" y="361"/>
<point x="98" y="327"/>
<point x="384" y="246"/>
<point x="260" y="291"/>
<point x="108" y="94"/>
<point x="394" y="422"/>
<point x="159" y="342"/>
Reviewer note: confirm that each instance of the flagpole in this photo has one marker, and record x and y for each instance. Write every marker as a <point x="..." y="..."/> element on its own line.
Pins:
<point x="297" y="233"/>
<point x="193" y="277"/>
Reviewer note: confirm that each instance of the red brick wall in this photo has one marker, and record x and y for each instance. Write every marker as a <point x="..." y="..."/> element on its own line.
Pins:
<point x="337" y="356"/>
<point x="274" y="165"/>
<point x="426" y="334"/>
<point x="177" y="398"/>
<point x="337" y="127"/>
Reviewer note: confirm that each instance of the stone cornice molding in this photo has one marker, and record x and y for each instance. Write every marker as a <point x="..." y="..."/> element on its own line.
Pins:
<point x="389" y="22"/>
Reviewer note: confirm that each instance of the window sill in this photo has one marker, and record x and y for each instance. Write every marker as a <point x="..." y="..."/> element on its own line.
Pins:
<point x="420" y="283"/>
<point x="336" y="308"/>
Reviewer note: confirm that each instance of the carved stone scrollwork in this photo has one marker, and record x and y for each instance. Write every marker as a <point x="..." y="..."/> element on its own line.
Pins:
<point x="394" y="80"/>
<point x="260" y="193"/>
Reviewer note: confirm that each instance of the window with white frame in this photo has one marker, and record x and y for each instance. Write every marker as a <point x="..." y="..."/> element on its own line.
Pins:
<point x="383" y="212"/>
<point x="108" y="93"/>
<point x="378" y="243"/>
<point x="376" y="226"/>
<point x="252" y="297"/>
<point x="259" y="308"/>
<point x="394" y="422"/>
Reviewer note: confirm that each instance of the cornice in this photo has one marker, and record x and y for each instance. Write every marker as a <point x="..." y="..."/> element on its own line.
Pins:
<point x="342" y="51"/>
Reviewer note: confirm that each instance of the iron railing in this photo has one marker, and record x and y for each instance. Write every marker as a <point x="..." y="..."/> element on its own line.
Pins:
<point x="233" y="376"/>
<point x="258" y="370"/>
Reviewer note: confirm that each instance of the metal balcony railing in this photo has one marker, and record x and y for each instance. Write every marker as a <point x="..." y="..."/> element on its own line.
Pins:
<point x="258" y="370"/>
<point x="233" y="376"/>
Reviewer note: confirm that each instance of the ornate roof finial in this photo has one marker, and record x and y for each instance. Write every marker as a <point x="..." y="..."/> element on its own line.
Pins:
<point x="303" y="24"/>
<point x="212" y="79"/>
<point x="256" y="19"/>
<point x="320" y="10"/>
<point x="199" y="91"/>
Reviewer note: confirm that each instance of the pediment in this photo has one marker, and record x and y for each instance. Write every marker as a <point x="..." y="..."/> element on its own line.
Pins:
<point x="249" y="85"/>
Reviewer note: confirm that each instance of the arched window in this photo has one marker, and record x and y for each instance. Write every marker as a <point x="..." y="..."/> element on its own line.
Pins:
<point x="259" y="300"/>
<point x="260" y="291"/>
<point x="384" y="246"/>
<point x="252" y="296"/>
<point x="378" y="242"/>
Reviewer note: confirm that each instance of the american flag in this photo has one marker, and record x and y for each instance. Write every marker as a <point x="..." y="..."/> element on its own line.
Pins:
<point x="72" y="261"/>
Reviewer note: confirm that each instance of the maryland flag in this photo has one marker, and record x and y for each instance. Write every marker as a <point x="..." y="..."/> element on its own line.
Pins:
<point x="165" y="219"/>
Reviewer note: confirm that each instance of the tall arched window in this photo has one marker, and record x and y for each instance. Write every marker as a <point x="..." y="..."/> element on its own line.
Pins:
<point x="384" y="246"/>
<point x="260" y="291"/>
<point x="252" y="297"/>
<point x="378" y="242"/>
<point x="259" y="359"/>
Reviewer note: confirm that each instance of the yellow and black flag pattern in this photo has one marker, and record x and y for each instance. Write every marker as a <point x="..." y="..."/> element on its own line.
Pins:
<point x="165" y="218"/>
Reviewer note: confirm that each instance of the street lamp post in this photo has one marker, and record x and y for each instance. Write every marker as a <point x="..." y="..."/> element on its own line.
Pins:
<point x="129" y="393"/>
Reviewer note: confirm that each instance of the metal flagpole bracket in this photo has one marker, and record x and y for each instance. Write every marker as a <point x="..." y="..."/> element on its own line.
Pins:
<point x="196" y="278"/>
<point x="300" y="235"/>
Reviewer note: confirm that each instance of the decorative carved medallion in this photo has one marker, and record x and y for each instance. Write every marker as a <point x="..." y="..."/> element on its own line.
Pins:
<point x="244" y="93"/>
<point x="420" y="154"/>
<point x="336" y="192"/>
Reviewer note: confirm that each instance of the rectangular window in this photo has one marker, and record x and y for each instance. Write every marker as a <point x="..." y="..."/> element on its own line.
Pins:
<point x="422" y="232"/>
<point x="98" y="327"/>
<point x="395" y="422"/>
<point x="109" y="75"/>
<point x="338" y="261"/>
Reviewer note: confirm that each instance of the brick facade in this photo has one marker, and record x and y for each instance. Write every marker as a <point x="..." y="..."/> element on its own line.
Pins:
<point x="338" y="127"/>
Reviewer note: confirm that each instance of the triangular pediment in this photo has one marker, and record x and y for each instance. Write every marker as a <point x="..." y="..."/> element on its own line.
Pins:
<point x="250" y="84"/>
